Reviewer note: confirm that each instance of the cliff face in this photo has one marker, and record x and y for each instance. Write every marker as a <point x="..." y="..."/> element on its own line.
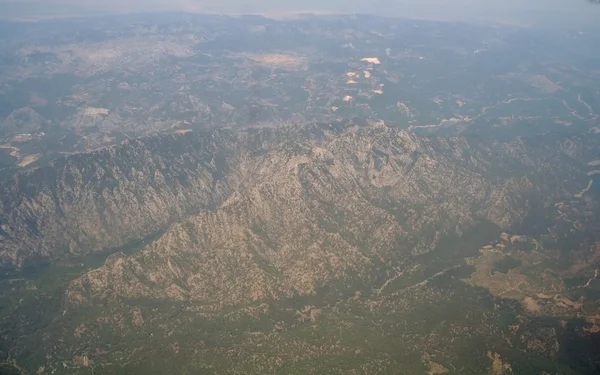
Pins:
<point x="291" y="189"/>
<point x="348" y="205"/>
<point x="104" y="199"/>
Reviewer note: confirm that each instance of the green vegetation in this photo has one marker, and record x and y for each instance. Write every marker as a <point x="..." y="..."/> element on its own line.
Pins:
<point x="350" y="246"/>
<point x="506" y="264"/>
<point x="8" y="369"/>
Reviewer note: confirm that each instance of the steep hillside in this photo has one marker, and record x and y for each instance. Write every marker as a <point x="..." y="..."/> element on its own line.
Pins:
<point x="351" y="176"/>
<point x="317" y="249"/>
<point x="351" y="205"/>
<point x="104" y="199"/>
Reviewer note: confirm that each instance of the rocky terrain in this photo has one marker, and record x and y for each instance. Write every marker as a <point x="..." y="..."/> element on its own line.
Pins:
<point x="270" y="228"/>
<point x="104" y="199"/>
<point x="107" y="198"/>
<point x="322" y="195"/>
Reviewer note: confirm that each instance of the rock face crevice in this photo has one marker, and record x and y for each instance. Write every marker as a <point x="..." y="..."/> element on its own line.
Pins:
<point x="342" y="207"/>
<point x="104" y="199"/>
<point x="269" y="190"/>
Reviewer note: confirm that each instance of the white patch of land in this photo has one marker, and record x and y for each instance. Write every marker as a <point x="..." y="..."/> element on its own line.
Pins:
<point x="543" y="83"/>
<point x="371" y="60"/>
<point x="563" y="123"/>
<point x="13" y="150"/>
<point x="28" y="160"/>
<point x="277" y="59"/>
<point x="589" y="186"/>
<point x="590" y="110"/>
<point x="573" y="112"/>
<point x="93" y="111"/>
<point x="404" y="108"/>
<point x="519" y="99"/>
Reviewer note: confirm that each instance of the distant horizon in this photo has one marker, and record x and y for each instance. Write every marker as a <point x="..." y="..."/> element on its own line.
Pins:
<point x="553" y="13"/>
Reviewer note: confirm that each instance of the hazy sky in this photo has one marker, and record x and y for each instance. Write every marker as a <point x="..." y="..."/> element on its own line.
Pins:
<point x="561" y="12"/>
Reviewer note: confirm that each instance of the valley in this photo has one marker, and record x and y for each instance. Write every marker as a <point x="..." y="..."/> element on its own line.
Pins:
<point x="332" y="194"/>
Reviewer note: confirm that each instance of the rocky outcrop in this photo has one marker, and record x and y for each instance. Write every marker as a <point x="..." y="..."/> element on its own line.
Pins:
<point x="103" y="199"/>
<point x="339" y="207"/>
<point x="358" y="181"/>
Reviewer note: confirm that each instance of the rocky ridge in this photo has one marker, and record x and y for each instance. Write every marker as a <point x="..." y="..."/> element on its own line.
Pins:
<point x="89" y="202"/>
<point x="351" y="204"/>
<point x="104" y="199"/>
